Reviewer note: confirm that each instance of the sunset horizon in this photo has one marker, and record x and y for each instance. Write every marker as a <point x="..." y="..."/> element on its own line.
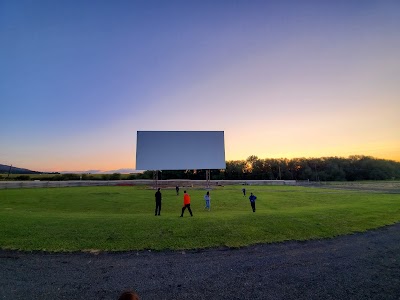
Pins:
<point x="130" y="169"/>
<point x="281" y="79"/>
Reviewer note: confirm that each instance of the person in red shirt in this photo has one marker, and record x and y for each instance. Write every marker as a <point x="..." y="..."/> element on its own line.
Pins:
<point x="186" y="203"/>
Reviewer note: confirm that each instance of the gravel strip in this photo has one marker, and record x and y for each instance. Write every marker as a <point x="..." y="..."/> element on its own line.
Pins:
<point x="359" y="266"/>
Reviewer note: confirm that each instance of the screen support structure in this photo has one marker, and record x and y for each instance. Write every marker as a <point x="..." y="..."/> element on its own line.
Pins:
<point x="208" y="178"/>
<point x="155" y="179"/>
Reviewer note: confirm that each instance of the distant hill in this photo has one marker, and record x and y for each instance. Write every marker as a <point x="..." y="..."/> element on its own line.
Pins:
<point x="121" y="171"/>
<point x="4" y="169"/>
<point x="80" y="172"/>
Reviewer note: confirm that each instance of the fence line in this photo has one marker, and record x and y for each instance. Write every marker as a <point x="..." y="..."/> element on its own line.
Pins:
<point x="160" y="183"/>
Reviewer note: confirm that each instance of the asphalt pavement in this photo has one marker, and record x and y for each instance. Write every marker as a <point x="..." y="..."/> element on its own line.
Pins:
<point x="358" y="266"/>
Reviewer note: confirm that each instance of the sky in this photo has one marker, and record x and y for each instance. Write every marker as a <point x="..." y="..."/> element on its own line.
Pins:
<point x="282" y="79"/>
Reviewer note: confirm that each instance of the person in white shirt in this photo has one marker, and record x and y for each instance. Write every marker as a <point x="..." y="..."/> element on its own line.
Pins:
<point x="207" y="198"/>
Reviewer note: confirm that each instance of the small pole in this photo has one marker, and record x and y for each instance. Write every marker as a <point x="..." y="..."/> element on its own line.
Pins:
<point x="155" y="179"/>
<point x="9" y="170"/>
<point x="208" y="178"/>
<point x="280" y="177"/>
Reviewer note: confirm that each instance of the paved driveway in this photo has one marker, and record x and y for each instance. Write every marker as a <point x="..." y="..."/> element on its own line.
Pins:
<point x="359" y="266"/>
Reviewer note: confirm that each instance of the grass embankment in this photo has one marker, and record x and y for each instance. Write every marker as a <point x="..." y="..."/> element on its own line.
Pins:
<point x="122" y="218"/>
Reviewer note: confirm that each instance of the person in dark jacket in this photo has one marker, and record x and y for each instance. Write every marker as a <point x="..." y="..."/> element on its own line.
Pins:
<point x="158" y="202"/>
<point x="252" y="199"/>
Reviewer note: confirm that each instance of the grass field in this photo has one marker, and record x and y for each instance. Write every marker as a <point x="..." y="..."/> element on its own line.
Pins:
<point x="122" y="218"/>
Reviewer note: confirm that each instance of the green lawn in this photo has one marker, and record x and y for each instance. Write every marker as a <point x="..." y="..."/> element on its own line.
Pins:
<point x="122" y="218"/>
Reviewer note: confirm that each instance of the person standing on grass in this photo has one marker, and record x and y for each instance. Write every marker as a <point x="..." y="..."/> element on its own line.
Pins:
<point x="244" y="191"/>
<point x="158" y="202"/>
<point x="186" y="203"/>
<point x="207" y="198"/>
<point x="177" y="190"/>
<point x="252" y="199"/>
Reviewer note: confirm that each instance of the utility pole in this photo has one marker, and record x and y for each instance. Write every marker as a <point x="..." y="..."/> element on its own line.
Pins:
<point x="155" y="179"/>
<point x="280" y="177"/>
<point x="208" y="179"/>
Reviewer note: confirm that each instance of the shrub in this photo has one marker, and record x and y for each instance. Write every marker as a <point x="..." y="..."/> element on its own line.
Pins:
<point x="115" y="176"/>
<point x="105" y="177"/>
<point x="22" y="177"/>
<point x="70" y="177"/>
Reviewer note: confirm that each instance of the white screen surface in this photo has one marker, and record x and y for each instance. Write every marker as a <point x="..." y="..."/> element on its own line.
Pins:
<point x="180" y="150"/>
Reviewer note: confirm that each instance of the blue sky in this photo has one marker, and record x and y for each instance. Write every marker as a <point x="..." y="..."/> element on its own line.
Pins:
<point x="282" y="78"/>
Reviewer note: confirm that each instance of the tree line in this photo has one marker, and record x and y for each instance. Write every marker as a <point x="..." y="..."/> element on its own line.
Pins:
<point x="357" y="167"/>
<point x="68" y="176"/>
